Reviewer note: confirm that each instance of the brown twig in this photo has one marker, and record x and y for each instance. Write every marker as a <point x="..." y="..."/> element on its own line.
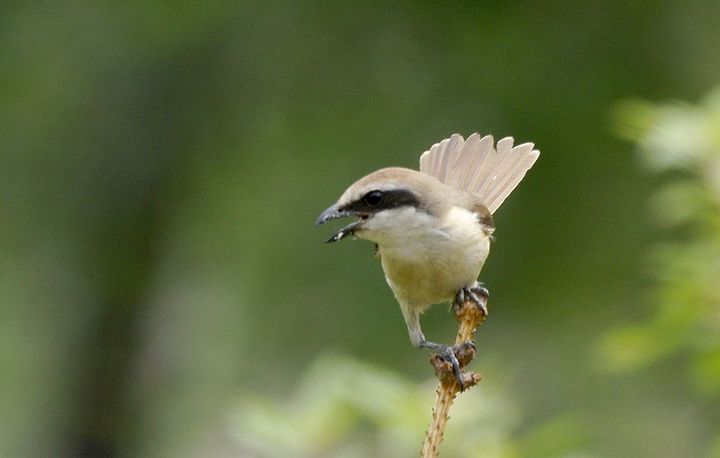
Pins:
<point x="470" y="315"/>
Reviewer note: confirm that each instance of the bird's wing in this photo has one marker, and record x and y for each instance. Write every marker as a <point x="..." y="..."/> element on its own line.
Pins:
<point x="475" y="165"/>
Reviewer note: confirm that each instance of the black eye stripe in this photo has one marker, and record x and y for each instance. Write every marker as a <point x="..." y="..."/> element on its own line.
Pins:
<point x="374" y="198"/>
<point x="390" y="199"/>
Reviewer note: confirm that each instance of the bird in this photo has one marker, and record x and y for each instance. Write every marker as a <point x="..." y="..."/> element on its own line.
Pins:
<point x="432" y="228"/>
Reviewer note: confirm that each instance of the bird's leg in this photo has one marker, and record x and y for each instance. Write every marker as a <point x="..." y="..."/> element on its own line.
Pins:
<point x="476" y="293"/>
<point x="448" y="353"/>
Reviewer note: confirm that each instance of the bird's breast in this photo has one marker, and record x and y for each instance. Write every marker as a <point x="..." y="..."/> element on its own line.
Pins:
<point x="431" y="262"/>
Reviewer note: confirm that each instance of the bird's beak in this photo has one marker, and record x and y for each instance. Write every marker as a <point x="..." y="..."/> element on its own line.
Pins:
<point x="333" y="212"/>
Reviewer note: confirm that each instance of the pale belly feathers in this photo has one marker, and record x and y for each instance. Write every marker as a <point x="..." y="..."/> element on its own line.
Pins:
<point x="429" y="261"/>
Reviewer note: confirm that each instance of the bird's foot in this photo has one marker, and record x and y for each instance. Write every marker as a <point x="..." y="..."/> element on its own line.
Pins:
<point x="476" y="293"/>
<point x="456" y="355"/>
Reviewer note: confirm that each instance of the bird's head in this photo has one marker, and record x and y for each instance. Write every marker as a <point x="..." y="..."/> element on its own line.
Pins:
<point x="384" y="202"/>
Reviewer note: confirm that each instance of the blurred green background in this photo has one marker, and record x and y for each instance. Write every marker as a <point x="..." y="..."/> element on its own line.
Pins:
<point x="163" y="291"/>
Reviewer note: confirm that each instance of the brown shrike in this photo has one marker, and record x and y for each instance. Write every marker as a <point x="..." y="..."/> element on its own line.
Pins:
<point x="432" y="228"/>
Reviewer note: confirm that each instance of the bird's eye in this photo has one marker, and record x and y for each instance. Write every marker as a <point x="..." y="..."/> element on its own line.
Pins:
<point x="373" y="198"/>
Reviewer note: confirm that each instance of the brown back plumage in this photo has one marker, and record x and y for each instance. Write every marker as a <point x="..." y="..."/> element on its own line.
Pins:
<point x="476" y="166"/>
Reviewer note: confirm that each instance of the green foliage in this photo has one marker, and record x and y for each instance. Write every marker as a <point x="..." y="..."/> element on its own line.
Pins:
<point x="681" y="142"/>
<point x="345" y="408"/>
<point x="163" y="163"/>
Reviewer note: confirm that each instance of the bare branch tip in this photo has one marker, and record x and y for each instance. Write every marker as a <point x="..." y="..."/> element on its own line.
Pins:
<point x="470" y="314"/>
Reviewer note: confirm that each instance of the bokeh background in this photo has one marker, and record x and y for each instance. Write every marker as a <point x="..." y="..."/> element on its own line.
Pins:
<point x="163" y="292"/>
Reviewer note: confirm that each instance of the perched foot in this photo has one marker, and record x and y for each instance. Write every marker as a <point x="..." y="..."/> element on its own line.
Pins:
<point x="476" y="293"/>
<point x="449" y="354"/>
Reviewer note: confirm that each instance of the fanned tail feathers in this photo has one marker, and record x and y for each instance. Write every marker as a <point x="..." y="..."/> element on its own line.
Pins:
<point x="475" y="165"/>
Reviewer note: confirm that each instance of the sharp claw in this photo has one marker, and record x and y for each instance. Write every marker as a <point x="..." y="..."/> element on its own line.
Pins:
<point x="452" y="359"/>
<point x="447" y="353"/>
<point x="479" y="301"/>
<point x="480" y="289"/>
<point x="476" y="293"/>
